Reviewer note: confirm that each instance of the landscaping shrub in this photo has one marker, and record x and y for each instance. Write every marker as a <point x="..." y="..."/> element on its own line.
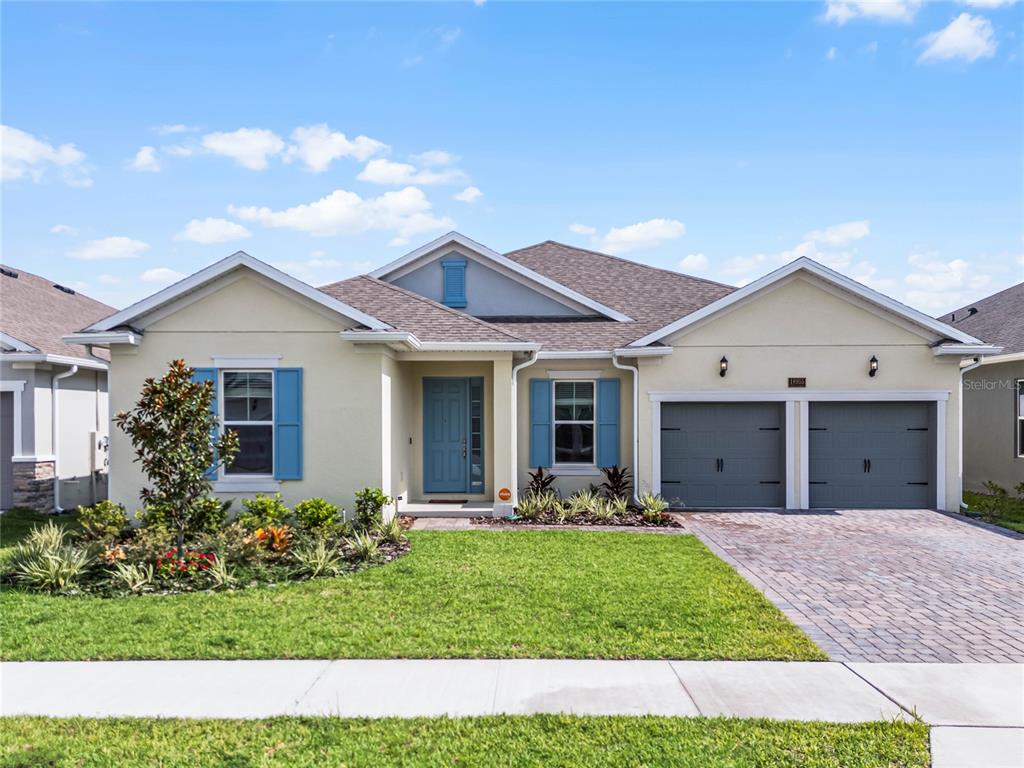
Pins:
<point x="583" y="502"/>
<point x="617" y="482"/>
<point x="133" y="577"/>
<point x="652" y="506"/>
<point x="318" y="515"/>
<point x="540" y="481"/>
<point x="370" y="503"/>
<point x="264" y="512"/>
<point x="103" y="520"/>
<point x="532" y="505"/>
<point x="363" y="546"/>
<point x="316" y="557"/>
<point x="45" y="561"/>
<point x="391" y="531"/>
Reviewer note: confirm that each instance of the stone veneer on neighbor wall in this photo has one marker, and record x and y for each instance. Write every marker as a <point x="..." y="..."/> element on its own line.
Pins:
<point x="32" y="485"/>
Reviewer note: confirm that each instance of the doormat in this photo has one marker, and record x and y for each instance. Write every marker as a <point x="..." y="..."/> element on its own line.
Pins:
<point x="448" y="501"/>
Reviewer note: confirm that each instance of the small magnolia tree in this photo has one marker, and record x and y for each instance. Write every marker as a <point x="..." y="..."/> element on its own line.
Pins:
<point x="174" y="432"/>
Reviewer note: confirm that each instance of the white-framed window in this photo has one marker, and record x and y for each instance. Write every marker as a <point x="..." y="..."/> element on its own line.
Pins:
<point x="1020" y="418"/>
<point x="247" y="407"/>
<point x="574" y="432"/>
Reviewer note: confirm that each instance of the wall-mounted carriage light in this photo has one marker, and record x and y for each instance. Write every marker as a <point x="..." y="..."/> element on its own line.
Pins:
<point x="723" y="366"/>
<point x="872" y="366"/>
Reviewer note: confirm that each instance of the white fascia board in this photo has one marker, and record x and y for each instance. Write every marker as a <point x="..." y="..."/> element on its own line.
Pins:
<point x="1012" y="357"/>
<point x="810" y="266"/>
<point x="382" y="337"/>
<point x="10" y="343"/>
<point x="965" y="350"/>
<point x="225" y="265"/>
<point x="643" y="351"/>
<point x="103" y="338"/>
<point x="81" y="362"/>
<point x="589" y="354"/>
<point x="478" y="346"/>
<point x="514" y="266"/>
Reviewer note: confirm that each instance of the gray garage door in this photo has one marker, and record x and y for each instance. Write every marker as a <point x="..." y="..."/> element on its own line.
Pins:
<point x="872" y="455"/>
<point x="6" y="447"/>
<point x="723" y="454"/>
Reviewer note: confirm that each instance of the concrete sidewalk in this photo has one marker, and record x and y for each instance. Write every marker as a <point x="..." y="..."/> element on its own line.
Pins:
<point x="979" y="707"/>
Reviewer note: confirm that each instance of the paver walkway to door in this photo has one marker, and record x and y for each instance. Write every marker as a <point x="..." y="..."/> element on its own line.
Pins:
<point x="883" y="585"/>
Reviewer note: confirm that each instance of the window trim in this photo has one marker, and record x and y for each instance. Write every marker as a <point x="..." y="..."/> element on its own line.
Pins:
<point x="241" y="479"/>
<point x="575" y="466"/>
<point x="1018" y="393"/>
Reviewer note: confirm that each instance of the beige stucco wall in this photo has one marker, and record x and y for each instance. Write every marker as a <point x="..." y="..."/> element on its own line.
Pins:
<point x="342" y="383"/>
<point x="572" y="480"/>
<point x="990" y="423"/>
<point x="802" y="329"/>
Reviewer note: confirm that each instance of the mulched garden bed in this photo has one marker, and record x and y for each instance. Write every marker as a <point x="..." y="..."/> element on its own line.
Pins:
<point x="627" y="521"/>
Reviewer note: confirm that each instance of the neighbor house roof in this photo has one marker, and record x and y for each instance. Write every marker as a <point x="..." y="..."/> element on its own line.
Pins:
<point x="997" y="319"/>
<point x="35" y="314"/>
<point x="408" y="311"/>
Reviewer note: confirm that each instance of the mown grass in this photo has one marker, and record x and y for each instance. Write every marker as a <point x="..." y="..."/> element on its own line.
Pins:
<point x="1004" y="511"/>
<point x="464" y="594"/>
<point x="542" y="740"/>
<point x="16" y="523"/>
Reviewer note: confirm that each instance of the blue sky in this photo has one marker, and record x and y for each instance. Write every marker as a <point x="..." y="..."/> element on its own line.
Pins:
<point x="144" y="141"/>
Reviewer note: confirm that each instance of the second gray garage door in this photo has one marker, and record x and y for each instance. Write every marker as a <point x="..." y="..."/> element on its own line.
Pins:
<point x="723" y="454"/>
<point x="872" y="455"/>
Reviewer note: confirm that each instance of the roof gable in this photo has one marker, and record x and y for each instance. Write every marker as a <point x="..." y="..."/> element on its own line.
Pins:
<point x="927" y="326"/>
<point x="162" y="300"/>
<point x="503" y="264"/>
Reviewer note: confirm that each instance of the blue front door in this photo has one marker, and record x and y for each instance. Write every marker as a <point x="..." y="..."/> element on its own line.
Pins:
<point x="445" y="434"/>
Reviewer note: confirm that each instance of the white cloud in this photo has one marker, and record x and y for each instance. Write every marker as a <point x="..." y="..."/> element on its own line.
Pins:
<point x="643" y="234"/>
<point x="389" y="173"/>
<point x="871" y="48"/>
<point x="211" y="230"/>
<point x="63" y="229"/>
<point x="317" y="146"/>
<point x="146" y="160"/>
<point x="406" y="211"/>
<point x="479" y="3"/>
<point x="694" y="262"/>
<point x="434" y="157"/>
<point x="966" y="37"/>
<point x="108" y="280"/>
<point x="936" y="285"/>
<point x="161" y="275"/>
<point x="987" y="3"/>
<point x="468" y="195"/>
<point x="832" y="54"/>
<point x="448" y="35"/>
<point x="109" y="248"/>
<point x="841" y="234"/>
<point x="249" y="147"/>
<point x="178" y="150"/>
<point x="842" y="11"/>
<point x="25" y="156"/>
<point x="582" y="229"/>
<point x="170" y="129"/>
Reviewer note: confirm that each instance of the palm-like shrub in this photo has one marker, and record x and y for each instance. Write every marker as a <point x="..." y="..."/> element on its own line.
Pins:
<point x="652" y="506"/>
<point x="617" y="482"/>
<point x="532" y="506"/>
<point x="363" y="546"/>
<point x="583" y="502"/>
<point x="540" y="481"/>
<point x="133" y="577"/>
<point x="45" y="561"/>
<point x="391" y="531"/>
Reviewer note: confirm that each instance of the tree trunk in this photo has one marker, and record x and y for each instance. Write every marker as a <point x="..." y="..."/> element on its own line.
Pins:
<point x="181" y="543"/>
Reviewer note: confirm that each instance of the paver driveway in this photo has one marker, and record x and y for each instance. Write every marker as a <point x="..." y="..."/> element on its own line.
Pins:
<point x="886" y="585"/>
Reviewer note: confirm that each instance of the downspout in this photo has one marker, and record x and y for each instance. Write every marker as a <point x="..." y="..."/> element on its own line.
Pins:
<point x="636" y="427"/>
<point x="960" y="428"/>
<point x="515" y="421"/>
<point x="55" y="438"/>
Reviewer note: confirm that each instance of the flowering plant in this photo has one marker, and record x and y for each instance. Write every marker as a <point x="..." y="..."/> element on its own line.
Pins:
<point x="274" y="538"/>
<point x="169" y="566"/>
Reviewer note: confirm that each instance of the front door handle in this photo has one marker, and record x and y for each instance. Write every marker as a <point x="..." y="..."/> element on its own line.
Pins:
<point x="463" y="448"/>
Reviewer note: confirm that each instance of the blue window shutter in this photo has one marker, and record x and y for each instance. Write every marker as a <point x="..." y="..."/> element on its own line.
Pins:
<point x="454" y="282"/>
<point x="287" y="423"/>
<point x="541" y="437"/>
<point x="201" y="375"/>
<point x="607" y="422"/>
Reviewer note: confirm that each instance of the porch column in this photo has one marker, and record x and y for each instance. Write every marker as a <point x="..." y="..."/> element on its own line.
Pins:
<point x="501" y="428"/>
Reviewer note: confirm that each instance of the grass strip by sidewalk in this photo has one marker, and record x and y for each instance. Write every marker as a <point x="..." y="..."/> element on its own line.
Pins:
<point x="459" y="594"/>
<point x="496" y="742"/>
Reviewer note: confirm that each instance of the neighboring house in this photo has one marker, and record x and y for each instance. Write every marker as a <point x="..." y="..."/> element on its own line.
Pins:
<point x="53" y="396"/>
<point x="449" y="373"/>
<point x="993" y="444"/>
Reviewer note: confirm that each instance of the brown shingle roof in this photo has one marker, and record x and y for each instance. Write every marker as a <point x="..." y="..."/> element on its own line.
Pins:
<point x="652" y="297"/>
<point x="998" y="319"/>
<point x="33" y="311"/>
<point x="408" y="311"/>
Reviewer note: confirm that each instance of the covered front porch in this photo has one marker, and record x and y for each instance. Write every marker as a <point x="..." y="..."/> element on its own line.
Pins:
<point x="451" y="433"/>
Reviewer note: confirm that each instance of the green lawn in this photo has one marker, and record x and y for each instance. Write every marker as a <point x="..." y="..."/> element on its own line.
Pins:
<point x="483" y="594"/>
<point x="1005" y="511"/>
<point x="16" y="523"/>
<point x="543" y="740"/>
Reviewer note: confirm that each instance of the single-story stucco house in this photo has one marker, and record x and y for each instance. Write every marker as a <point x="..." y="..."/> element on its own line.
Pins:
<point x="450" y="372"/>
<point x="53" y="396"/>
<point x="993" y="442"/>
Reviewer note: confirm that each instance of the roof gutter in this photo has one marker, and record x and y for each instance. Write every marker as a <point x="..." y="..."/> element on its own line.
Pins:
<point x="412" y="343"/>
<point x="965" y="350"/>
<point x="103" y="338"/>
<point x="960" y="427"/>
<point x="24" y="357"/>
<point x="636" y="418"/>
<point x="534" y="357"/>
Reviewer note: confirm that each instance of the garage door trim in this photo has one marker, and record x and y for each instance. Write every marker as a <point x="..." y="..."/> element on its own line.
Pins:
<point x="17" y="387"/>
<point x="802" y="399"/>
